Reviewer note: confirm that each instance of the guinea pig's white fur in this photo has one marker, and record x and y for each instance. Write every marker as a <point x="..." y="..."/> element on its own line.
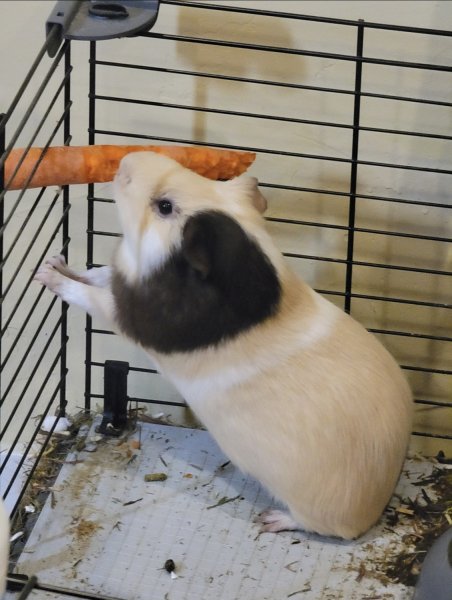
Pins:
<point x="305" y="399"/>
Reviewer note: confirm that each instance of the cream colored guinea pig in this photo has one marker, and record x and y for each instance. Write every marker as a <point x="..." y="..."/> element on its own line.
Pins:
<point x="296" y="393"/>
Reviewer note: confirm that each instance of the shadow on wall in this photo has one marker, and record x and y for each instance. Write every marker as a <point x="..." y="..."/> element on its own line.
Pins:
<point x="229" y="61"/>
<point x="438" y="220"/>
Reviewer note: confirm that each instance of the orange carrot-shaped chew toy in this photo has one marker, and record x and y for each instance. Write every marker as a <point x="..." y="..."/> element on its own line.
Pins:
<point x="64" y="165"/>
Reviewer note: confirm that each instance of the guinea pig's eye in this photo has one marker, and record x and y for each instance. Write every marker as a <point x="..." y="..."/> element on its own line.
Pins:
<point x="165" y="207"/>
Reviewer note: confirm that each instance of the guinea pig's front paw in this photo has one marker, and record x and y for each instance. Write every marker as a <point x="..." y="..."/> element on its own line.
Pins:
<point x="58" y="262"/>
<point x="273" y="521"/>
<point x="53" y="280"/>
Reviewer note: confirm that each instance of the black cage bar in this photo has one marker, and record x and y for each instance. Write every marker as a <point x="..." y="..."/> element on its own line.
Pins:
<point x="26" y="311"/>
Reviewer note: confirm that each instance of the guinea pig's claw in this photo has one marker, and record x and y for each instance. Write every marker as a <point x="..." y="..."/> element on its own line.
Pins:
<point x="58" y="262"/>
<point x="273" y="521"/>
<point x="49" y="277"/>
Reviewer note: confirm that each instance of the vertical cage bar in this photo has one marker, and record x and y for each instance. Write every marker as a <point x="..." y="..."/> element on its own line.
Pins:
<point x="90" y="218"/>
<point x="2" y="218"/>
<point x="65" y="230"/>
<point x="354" y="167"/>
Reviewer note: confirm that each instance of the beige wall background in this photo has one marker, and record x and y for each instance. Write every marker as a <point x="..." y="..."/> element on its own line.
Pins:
<point x="22" y="34"/>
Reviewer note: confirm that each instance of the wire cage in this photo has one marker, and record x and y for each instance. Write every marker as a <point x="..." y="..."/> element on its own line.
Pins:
<point x="349" y="153"/>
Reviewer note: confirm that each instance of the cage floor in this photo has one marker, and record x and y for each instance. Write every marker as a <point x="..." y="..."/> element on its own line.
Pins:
<point x="105" y="530"/>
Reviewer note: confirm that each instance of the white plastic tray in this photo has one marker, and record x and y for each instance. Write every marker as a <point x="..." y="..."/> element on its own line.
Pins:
<point x="108" y="531"/>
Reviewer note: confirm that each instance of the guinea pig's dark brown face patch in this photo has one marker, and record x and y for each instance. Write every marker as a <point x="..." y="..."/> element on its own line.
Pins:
<point x="217" y="285"/>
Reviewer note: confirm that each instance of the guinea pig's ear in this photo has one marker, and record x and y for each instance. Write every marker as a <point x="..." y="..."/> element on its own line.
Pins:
<point x="257" y="199"/>
<point x="247" y="186"/>
<point x="214" y="244"/>
<point x="220" y="251"/>
<point x="197" y="244"/>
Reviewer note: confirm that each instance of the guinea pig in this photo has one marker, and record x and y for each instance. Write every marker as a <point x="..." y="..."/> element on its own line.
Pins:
<point x="297" y="393"/>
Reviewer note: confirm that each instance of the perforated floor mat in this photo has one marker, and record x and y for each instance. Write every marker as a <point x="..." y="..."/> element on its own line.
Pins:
<point x="107" y="530"/>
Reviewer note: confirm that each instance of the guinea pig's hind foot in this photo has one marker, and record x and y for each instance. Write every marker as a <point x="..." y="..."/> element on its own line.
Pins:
<point x="276" y="520"/>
